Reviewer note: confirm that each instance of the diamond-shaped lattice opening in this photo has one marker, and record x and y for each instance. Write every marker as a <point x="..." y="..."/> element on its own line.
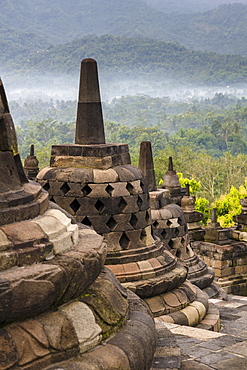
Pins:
<point x="183" y="241"/>
<point x="46" y="186"/>
<point x="109" y="189"/>
<point x="52" y="199"/>
<point x="176" y="231"/>
<point x="178" y="253"/>
<point x="171" y="244"/>
<point x="139" y="202"/>
<point x="147" y="216"/>
<point x="163" y="234"/>
<point x="86" y="190"/>
<point x="122" y="204"/>
<point x="86" y="221"/>
<point x="111" y="223"/>
<point x="142" y="185"/>
<point x="129" y="187"/>
<point x="169" y="223"/>
<point x="155" y="224"/>
<point x="99" y="206"/>
<point x="133" y="221"/>
<point x="75" y="205"/>
<point x="65" y="188"/>
<point x="124" y="241"/>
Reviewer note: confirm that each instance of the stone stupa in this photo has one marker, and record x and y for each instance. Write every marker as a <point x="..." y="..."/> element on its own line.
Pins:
<point x="170" y="223"/>
<point x="57" y="301"/>
<point x="96" y="183"/>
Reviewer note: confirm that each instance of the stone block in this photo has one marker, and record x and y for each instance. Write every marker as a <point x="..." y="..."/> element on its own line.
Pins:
<point x="124" y="173"/>
<point x="146" y="236"/>
<point x="108" y="206"/>
<point x="27" y="211"/>
<point x="107" y="302"/>
<point x="9" y="355"/>
<point x="43" y="202"/>
<point x="136" y="338"/>
<point x="82" y="175"/>
<point x="132" y="271"/>
<point x="134" y="187"/>
<point x="98" y="191"/>
<point x="165" y="214"/>
<point x="135" y="239"/>
<point x="146" y="269"/>
<point x="33" y="254"/>
<point x="143" y="202"/>
<point x="99" y="223"/>
<point x="110" y="357"/>
<point x="86" y="206"/>
<point x="34" y="289"/>
<point x="51" y="226"/>
<point x="8" y="259"/>
<point x="71" y="205"/>
<point x="125" y="159"/>
<point x="24" y="234"/>
<point x="128" y="204"/>
<point x="47" y="173"/>
<point x="59" y="330"/>
<point x="30" y="340"/>
<point x="5" y="243"/>
<point x="106" y="176"/>
<point x="83" y="321"/>
<point x="118" y="189"/>
<point x="62" y="243"/>
<point x="120" y="222"/>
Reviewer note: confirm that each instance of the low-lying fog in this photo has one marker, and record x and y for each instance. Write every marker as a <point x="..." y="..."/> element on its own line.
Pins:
<point x="66" y="88"/>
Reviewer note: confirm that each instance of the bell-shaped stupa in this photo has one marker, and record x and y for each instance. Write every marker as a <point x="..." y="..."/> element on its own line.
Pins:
<point x="57" y="301"/>
<point x="96" y="183"/>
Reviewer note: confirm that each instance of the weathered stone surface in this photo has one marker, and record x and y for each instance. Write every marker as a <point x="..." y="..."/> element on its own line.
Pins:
<point x="110" y="357"/>
<point x="59" y="331"/>
<point x="24" y="234"/>
<point x="109" y="305"/>
<point x="8" y="356"/>
<point x="34" y="289"/>
<point x="5" y="299"/>
<point x="106" y="176"/>
<point x="30" y="340"/>
<point x="146" y="164"/>
<point x="8" y="259"/>
<point x="87" y="331"/>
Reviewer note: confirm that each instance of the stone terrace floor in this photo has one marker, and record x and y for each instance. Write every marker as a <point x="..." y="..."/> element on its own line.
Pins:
<point x="187" y="348"/>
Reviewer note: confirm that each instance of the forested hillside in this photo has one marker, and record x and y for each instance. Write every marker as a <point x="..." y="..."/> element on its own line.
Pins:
<point x="211" y="149"/>
<point x="124" y="56"/>
<point x="222" y="29"/>
<point x="189" y="6"/>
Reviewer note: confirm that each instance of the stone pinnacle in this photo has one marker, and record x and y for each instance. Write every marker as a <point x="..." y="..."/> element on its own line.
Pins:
<point x="170" y="164"/>
<point x="146" y="164"/>
<point x="89" y="122"/>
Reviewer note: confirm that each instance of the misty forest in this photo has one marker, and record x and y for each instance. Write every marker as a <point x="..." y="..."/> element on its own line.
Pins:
<point x="174" y="73"/>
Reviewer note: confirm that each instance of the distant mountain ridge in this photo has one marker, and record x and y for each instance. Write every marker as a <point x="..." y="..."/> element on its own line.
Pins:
<point x="122" y="56"/>
<point x="222" y="29"/>
<point x="189" y="6"/>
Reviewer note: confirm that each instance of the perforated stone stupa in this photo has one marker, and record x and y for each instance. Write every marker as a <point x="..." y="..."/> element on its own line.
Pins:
<point x="96" y="183"/>
<point x="57" y="301"/>
<point x="170" y="224"/>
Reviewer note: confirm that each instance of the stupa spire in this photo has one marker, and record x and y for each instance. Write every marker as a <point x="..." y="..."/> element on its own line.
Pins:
<point x="89" y="122"/>
<point x="146" y="164"/>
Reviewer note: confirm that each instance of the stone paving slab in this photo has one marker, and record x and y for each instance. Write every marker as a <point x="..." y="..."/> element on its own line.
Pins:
<point x="203" y="349"/>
